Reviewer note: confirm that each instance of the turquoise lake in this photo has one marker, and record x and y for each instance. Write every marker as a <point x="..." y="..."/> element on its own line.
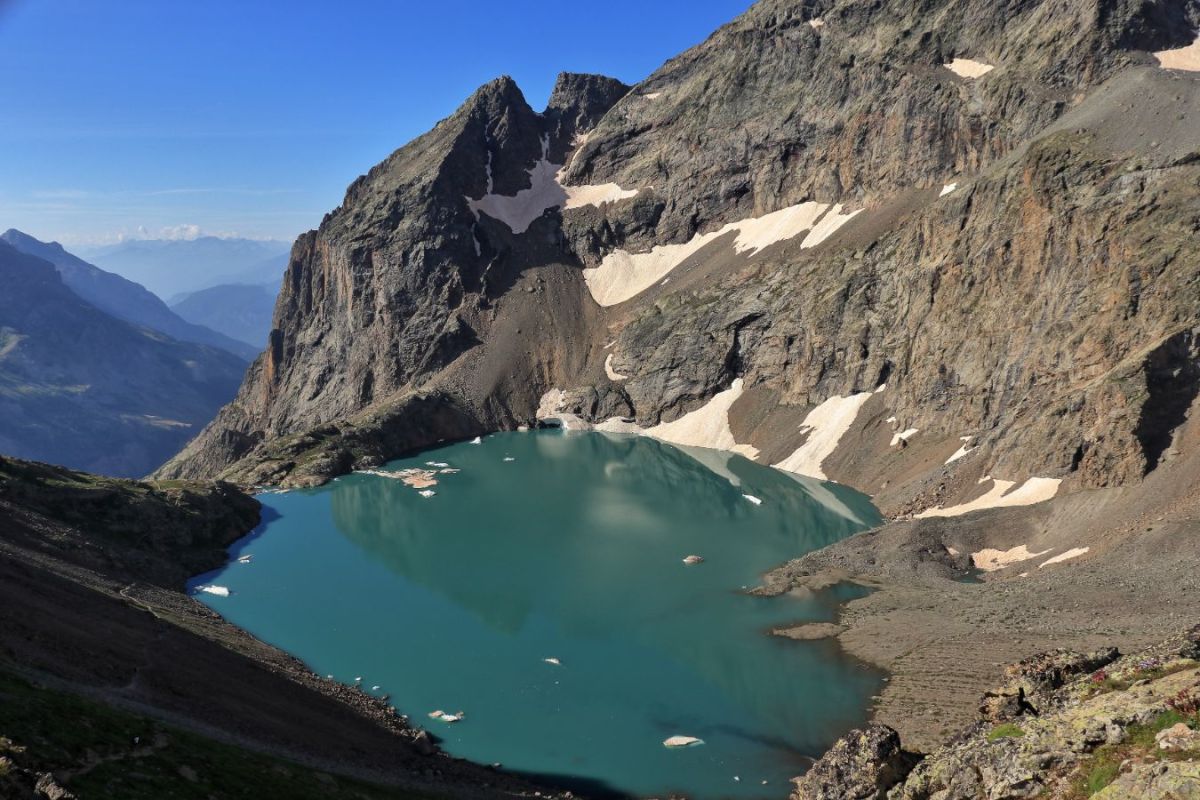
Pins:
<point x="569" y="546"/>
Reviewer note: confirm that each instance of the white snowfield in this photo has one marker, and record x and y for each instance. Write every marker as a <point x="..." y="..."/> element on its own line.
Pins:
<point x="947" y="189"/>
<point x="966" y="68"/>
<point x="990" y="560"/>
<point x="1074" y="552"/>
<point x="1183" y="58"/>
<point x="825" y="424"/>
<point x="545" y="191"/>
<point x="623" y="275"/>
<point x="707" y="426"/>
<point x="1033" y="491"/>
<point x="904" y="436"/>
<point x="961" y="451"/>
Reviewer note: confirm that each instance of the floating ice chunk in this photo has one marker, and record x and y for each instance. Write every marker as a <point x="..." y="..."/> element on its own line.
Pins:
<point x="358" y="679"/>
<point x="509" y="458"/>
<point x="477" y="440"/>
<point x="442" y="716"/>
<point x="553" y="661"/>
<point x="375" y="688"/>
<point x="427" y="493"/>
<point x="219" y="591"/>
<point x="966" y="68"/>
<point x="693" y="560"/>
<point x="756" y="500"/>
<point x="438" y="464"/>
<point x="246" y="559"/>
<point x="682" y="741"/>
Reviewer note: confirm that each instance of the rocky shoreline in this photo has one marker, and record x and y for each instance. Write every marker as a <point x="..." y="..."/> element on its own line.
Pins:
<point x="1063" y="725"/>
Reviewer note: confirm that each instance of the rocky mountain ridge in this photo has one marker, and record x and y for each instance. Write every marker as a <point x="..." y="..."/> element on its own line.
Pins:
<point x="122" y="298"/>
<point x="83" y="388"/>
<point x="648" y="255"/>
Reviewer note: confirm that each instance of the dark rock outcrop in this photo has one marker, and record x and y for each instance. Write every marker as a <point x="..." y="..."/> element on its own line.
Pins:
<point x="862" y="765"/>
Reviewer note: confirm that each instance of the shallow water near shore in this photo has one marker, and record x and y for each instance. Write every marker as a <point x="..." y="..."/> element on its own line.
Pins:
<point x="572" y="549"/>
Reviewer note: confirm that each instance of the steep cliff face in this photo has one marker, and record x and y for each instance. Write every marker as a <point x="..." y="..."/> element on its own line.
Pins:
<point x="942" y="251"/>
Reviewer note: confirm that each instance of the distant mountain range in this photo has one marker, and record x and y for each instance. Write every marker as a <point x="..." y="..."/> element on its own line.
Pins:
<point x="242" y="311"/>
<point x="174" y="267"/>
<point x="83" y="388"/>
<point x="125" y="299"/>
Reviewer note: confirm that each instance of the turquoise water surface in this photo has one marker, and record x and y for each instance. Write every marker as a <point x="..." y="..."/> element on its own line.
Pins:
<point x="571" y="550"/>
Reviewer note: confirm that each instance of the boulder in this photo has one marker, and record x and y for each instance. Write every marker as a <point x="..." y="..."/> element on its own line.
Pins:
<point x="1178" y="737"/>
<point x="1164" y="780"/>
<point x="862" y="765"/>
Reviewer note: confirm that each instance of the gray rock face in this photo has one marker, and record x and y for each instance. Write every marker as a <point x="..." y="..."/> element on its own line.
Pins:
<point x="1045" y="306"/>
<point x="862" y="765"/>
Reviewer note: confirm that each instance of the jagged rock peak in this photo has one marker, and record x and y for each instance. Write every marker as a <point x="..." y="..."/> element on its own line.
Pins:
<point x="577" y="103"/>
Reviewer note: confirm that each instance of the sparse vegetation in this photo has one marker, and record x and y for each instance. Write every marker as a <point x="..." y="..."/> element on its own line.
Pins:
<point x="1005" y="731"/>
<point x="1105" y="764"/>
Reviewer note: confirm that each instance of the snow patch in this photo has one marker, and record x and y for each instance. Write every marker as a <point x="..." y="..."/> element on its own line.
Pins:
<point x="828" y="226"/>
<point x="545" y="191"/>
<point x="1033" y="491"/>
<point x="947" y="189"/>
<point x="1183" y="58"/>
<point x="612" y="374"/>
<point x="904" y="436"/>
<point x="990" y="560"/>
<point x="963" y="450"/>
<point x="598" y="195"/>
<point x="825" y="425"/>
<point x="622" y="275"/>
<point x="817" y="23"/>
<point x="707" y="426"/>
<point x="1074" y="552"/>
<point x="966" y="68"/>
<point x="652" y="95"/>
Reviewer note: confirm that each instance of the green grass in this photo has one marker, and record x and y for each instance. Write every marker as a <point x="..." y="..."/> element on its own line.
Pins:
<point x="92" y="746"/>
<point x="1104" y="766"/>
<point x="1005" y="731"/>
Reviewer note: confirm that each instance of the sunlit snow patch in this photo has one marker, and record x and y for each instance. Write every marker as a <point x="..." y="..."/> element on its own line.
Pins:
<point x="1183" y="58"/>
<point x="825" y="425"/>
<point x="1033" y="491"/>
<point x="966" y="68"/>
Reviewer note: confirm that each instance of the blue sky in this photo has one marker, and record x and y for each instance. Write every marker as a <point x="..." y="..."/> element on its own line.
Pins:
<point x="250" y="117"/>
